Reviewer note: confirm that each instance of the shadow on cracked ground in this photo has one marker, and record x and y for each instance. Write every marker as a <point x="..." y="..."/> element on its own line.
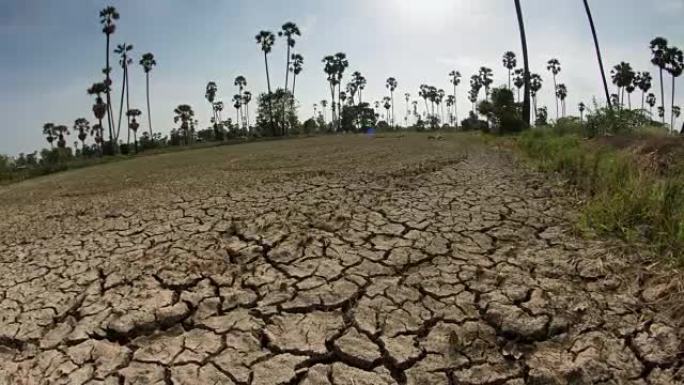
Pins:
<point x="333" y="260"/>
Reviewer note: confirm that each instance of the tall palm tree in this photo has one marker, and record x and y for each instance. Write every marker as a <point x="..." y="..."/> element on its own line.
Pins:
<point x="290" y="31"/>
<point x="675" y="66"/>
<point x="598" y="51"/>
<point x="486" y="80"/>
<point x="455" y="79"/>
<point x="391" y="84"/>
<point x="475" y="87"/>
<point x="184" y="115"/>
<point x="360" y="84"/>
<point x="210" y="95"/>
<point x="658" y="48"/>
<point x="643" y="82"/>
<point x="536" y="84"/>
<point x="107" y="17"/>
<point x="266" y="39"/>
<point x="133" y="125"/>
<point x="99" y="109"/>
<point x="49" y="132"/>
<point x="526" y="62"/>
<point x="297" y="68"/>
<point x="623" y="76"/>
<point x="651" y="101"/>
<point x="61" y="131"/>
<point x="122" y="50"/>
<point x="335" y="65"/>
<point x="407" y="97"/>
<point x="450" y="103"/>
<point x="246" y="99"/>
<point x="676" y="112"/>
<point x="387" y="104"/>
<point x="83" y="127"/>
<point x="554" y="66"/>
<point x="147" y="62"/>
<point x="509" y="62"/>
<point x="439" y="100"/>
<point x="237" y="103"/>
<point x="562" y="93"/>
<point x="581" y="107"/>
<point x="331" y="70"/>
<point x="241" y="82"/>
<point x="518" y="81"/>
<point x="324" y="104"/>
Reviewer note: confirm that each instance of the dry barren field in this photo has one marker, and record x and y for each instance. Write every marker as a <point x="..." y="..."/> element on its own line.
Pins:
<point x="347" y="260"/>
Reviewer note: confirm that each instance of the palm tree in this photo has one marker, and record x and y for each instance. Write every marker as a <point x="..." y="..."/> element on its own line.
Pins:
<point x="598" y="52"/>
<point x="562" y="93"/>
<point x="297" y="68"/>
<point x="107" y="17"/>
<point x="536" y="83"/>
<point x="241" y="82"/>
<point x="184" y="115"/>
<point x="392" y="85"/>
<point x="60" y="131"/>
<point x="475" y="87"/>
<point x="324" y="104"/>
<point x="99" y="108"/>
<point x="439" y="99"/>
<point x="581" y="107"/>
<point x="246" y="99"/>
<point x="124" y="61"/>
<point x="335" y="65"/>
<point x="331" y="70"/>
<point x="643" y="82"/>
<point x="387" y="104"/>
<point x="622" y="76"/>
<point x="133" y="125"/>
<point x="49" y="132"/>
<point x="509" y="62"/>
<point x="486" y="79"/>
<point x="290" y="31"/>
<point x="237" y="103"/>
<point x="658" y="48"/>
<point x="147" y="62"/>
<point x="210" y="95"/>
<point x="554" y="66"/>
<point x="450" y="103"/>
<point x="360" y="83"/>
<point x="675" y="66"/>
<point x="651" y="101"/>
<point x="266" y="39"/>
<point x="630" y="88"/>
<point x="518" y="81"/>
<point x="523" y="40"/>
<point x="455" y="79"/>
<point x="676" y="112"/>
<point x="407" y="97"/>
<point x="82" y="126"/>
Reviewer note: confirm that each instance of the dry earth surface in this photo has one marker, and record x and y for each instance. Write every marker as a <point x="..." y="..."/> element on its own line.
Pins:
<point x="333" y="260"/>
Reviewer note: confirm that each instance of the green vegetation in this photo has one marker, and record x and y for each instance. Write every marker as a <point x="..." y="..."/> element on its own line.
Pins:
<point x="634" y="183"/>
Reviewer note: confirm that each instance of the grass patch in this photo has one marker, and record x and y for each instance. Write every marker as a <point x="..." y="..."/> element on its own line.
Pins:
<point x="630" y="193"/>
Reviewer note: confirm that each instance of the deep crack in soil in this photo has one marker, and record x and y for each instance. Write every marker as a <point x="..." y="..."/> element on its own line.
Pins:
<point x="340" y="260"/>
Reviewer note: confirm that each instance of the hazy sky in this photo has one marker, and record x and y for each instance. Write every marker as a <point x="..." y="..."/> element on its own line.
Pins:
<point x="52" y="50"/>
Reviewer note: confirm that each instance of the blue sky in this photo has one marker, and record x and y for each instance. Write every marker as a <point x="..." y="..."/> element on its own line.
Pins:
<point x="52" y="50"/>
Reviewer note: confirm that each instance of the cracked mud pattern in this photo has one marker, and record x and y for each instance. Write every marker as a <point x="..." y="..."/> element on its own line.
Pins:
<point x="366" y="262"/>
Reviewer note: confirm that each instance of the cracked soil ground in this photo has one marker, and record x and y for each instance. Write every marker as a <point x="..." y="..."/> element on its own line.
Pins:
<point x="332" y="260"/>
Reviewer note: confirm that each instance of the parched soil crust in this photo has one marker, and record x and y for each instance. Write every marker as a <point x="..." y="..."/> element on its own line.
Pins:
<point x="457" y="269"/>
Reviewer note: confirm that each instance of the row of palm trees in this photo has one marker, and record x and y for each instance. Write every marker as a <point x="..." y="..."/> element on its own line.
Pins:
<point x="103" y="108"/>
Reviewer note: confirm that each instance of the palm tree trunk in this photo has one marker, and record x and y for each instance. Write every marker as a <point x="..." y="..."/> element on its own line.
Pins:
<point x="294" y="83"/>
<point x="287" y="66"/>
<point x="509" y="79"/>
<point x="672" y="117"/>
<point x="128" y="103"/>
<point x="121" y="104"/>
<point x="555" y="94"/>
<point x="526" y="74"/>
<point x="110" y="117"/>
<point x="270" y="103"/>
<point x="392" y="97"/>
<point x="598" y="52"/>
<point x="149" y="114"/>
<point x="662" y="94"/>
<point x="643" y="94"/>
